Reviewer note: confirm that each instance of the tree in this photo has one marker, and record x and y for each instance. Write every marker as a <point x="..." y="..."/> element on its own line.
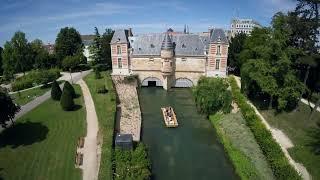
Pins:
<point x="8" y="108"/>
<point x="55" y="91"/>
<point x="96" y="48"/>
<point x="40" y="55"/>
<point x="269" y="51"/>
<point x="68" y="87"/>
<point x="16" y="55"/>
<point x="70" y="62"/>
<point x="1" y="70"/>
<point x="105" y="46"/>
<point x="235" y="47"/>
<point x="68" y="43"/>
<point x="66" y="100"/>
<point x="212" y="95"/>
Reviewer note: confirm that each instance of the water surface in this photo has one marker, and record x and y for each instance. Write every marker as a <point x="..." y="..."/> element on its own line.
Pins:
<point x="192" y="150"/>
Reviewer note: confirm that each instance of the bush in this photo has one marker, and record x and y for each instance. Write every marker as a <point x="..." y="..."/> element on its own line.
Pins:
<point x="212" y="95"/>
<point x="97" y="74"/>
<point x="101" y="89"/>
<point x="34" y="78"/>
<point x="55" y="91"/>
<point x="66" y="100"/>
<point x="133" y="164"/>
<point x="101" y="67"/>
<point x="271" y="149"/>
<point x="68" y="87"/>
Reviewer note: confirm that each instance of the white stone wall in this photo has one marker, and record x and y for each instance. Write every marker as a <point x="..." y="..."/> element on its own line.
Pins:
<point x="87" y="54"/>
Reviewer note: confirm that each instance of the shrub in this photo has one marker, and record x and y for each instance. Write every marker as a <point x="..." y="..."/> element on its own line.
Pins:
<point x="68" y="87"/>
<point x="133" y="164"/>
<point x="55" y="91"/>
<point x="101" y="67"/>
<point x="97" y="74"/>
<point x="34" y="78"/>
<point x="66" y="100"/>
<point x="101" y="89"/>
<point x="271" y="149"/>
<point x="71" y="62"/>
<point x="212" y="95"/>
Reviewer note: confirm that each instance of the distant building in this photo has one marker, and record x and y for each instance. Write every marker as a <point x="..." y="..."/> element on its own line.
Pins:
<point x="243" y="26"/>
<point x="49" y="47"/>
<point x="170" y="59"/>
<point x="87" y="40"/>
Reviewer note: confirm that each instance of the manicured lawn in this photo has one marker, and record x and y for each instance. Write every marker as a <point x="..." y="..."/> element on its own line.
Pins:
<point x="241" y="146"/>
<point x="296" y="126"/>
<point x="24" y="97"/>
<point x="42" y="144"/>
<point x="105" y="105"/>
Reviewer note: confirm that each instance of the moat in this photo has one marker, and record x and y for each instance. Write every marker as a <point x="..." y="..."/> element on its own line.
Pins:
<point x="192" y="150"/>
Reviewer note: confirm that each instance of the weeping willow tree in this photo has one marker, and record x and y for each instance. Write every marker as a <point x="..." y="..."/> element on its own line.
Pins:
<point x="212" y="95"/>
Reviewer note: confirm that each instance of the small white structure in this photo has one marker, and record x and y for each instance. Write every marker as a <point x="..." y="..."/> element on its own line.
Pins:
<point x="87" y="40"/>
<point x="243" y="26"/>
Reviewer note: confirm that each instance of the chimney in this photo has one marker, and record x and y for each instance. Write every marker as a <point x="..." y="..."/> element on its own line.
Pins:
<point x="130" y="32"/>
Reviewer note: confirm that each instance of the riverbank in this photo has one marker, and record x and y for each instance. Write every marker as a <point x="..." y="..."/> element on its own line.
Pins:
<point x="241" y="146"/>
<point x="129" y="107"/>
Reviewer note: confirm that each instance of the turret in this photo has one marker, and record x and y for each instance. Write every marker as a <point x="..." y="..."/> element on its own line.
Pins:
<point x="167" y="60"/>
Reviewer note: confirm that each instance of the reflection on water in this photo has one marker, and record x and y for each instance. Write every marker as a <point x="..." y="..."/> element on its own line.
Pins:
<point x="190" y="151"/>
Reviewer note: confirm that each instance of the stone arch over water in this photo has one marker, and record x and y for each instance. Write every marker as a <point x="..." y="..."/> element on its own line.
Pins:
<point x="151" y="81"/>
<point x="182" y="82"/>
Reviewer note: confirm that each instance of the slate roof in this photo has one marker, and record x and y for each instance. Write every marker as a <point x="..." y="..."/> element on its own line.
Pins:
<point x="218" y="35"/>
<point x="167" y="42"/>
<point x="184" y="44"/>
<point x="120" y="36"/>
<point x="87" y="40"/>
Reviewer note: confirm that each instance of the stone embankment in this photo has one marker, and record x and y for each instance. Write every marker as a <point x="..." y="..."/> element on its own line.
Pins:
<point x="130" y="113"/>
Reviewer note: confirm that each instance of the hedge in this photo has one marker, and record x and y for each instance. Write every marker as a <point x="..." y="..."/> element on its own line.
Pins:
<point x="242" y="164"/>
<point x="34" y="78"/>
<point x="271" y="149"/>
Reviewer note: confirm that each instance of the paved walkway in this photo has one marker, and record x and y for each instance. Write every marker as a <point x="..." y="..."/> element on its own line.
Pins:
<point x="311" y="104"/>
<point x="37" y="101"/>
<point x="282" y="139"/>
<point x="90" y="165"/>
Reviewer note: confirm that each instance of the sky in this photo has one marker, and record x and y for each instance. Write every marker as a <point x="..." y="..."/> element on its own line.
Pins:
<point x="43" y="19"/>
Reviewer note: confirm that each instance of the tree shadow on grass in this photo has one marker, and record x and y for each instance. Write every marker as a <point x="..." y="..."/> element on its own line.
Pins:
<point x="76" y="107"/>
<point x="23" y="134"/>
<point x="77" y="96"/>
<point x="1" y="178"/>
<point x="314" y="134"/>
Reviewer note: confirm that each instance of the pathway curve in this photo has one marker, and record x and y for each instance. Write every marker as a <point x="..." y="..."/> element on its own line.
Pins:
<point x="37" y="101"/>
<point x="281" y="138"/>
<point x="90" y="164"/>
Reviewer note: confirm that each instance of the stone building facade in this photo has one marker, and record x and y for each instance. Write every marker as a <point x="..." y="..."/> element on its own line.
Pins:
<point x="169" y="59"/>
<point x="243" y="26"/>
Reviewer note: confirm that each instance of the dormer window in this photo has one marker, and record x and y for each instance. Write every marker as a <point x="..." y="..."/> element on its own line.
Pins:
<point x="118" y="39"/>
<point x="139" y="49"/>
<point x="218" y="50"/>
<point x="183" y="46"/>
<point x="118" y="49"/>
<point x="151" y="45"/>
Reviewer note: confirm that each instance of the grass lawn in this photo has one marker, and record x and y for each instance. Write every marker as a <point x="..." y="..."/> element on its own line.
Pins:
<point x="241" y="146"/>
<point x="24" y="97"/>
<point x="105" y="105"/>
<point x="296" y="126"/>
<point x="42" y="144"/>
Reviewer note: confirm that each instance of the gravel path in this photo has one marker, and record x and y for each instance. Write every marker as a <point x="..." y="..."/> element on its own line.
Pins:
<point x="90" y="165"/>
<point x="282" y="139"/>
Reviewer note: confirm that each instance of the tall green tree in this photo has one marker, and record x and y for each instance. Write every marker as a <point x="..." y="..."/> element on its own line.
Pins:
<point x="68" y="43"/>
<point x="235" y="47"/>
<point x="40" y="55"/>
<point x="96" y="49"/>
<point x="268" y="67"/>
<point x="17" y="56"/>
<point x="105" y="46"/>
<point x="8" y="108"/>
<point x="1" y="69"/>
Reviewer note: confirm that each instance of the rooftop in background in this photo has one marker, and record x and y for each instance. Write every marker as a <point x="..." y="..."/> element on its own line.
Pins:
<point x="87" y="39"/>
